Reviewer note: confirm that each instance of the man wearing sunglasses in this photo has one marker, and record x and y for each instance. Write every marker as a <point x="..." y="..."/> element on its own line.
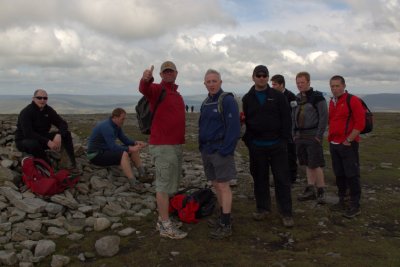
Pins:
<point x="33" y="134"/>
<point x="268" y="126"/>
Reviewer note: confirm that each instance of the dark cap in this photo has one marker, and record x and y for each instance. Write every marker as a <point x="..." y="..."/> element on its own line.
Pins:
<point x="168" y="65"/>
<point x="260" y="69"/>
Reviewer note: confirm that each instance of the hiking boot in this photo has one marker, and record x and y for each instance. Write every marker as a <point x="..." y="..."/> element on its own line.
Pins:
<point x="288" y="221"/>
<point x="308" y="194"/>
<point x="145" y="178"/>
<point x="214" y="221"/>
<point x="352" y="212"/>
<point x="260" y="215"/>
<point x="175" y="223"/>
<point x="321" y="196"/>
<point x="339" y="207"/>
<point x="222" y="231"/>
<point x="169" y="230"/>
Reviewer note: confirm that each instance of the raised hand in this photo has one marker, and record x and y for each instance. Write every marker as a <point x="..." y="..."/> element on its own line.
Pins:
<point x="148" y="74"/>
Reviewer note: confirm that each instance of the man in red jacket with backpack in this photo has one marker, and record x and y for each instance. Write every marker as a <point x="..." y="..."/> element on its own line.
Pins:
<point x="166" y="139"/>
<point x="345" y="126"/>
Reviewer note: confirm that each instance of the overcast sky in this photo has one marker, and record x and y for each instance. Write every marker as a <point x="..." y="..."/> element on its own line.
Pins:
<point x="103" y="46"/>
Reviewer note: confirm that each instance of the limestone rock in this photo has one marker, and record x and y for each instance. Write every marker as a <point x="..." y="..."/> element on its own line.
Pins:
<point x="108" y="246"/>
<point x="44" y="248"/>
<point x="100" y="224"/>
<point x="8" y="258"/>
<point x="59" y="261"/>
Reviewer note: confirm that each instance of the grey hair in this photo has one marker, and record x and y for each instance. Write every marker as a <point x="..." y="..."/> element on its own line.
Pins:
<point x="212" y="71"/>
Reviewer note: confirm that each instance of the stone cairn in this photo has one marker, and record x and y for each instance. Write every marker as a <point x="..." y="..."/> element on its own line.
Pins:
<point x="100" y="201"/>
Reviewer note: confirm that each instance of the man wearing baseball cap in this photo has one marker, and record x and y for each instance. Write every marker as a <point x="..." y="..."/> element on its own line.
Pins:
<point x="268" y="126"/>
<point x="165" y="142"/>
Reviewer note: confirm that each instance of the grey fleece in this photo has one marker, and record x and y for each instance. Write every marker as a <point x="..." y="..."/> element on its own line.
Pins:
<point x="312" y="118"/>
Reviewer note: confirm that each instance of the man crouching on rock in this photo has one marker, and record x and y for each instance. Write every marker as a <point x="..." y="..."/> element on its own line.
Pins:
<point x="33" y="133"/>
<point x="103" y="151"/>
<point x="218" y="137"/>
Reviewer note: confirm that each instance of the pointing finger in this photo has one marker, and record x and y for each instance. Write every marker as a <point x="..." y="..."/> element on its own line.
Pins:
<point x="151" y="68"/>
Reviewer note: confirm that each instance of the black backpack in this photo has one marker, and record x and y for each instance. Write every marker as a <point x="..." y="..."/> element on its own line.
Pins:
<point x="144" y="115"/>
<point x="369" y="124"/>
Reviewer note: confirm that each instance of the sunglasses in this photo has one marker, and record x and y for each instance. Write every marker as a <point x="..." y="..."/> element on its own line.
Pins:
<point x="41" y="97"/>
<point x="261" y="75"/>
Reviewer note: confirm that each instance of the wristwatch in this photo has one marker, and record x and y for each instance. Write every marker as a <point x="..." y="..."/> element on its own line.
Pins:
<point x="348" y="140"/>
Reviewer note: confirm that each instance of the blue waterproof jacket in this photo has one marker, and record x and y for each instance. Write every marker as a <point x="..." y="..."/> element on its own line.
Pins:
<point x="219" y="132"/>
<point x="104" y="135"/>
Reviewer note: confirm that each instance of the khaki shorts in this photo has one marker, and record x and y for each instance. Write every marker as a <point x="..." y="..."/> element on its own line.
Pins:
<point x="168" y="162"/>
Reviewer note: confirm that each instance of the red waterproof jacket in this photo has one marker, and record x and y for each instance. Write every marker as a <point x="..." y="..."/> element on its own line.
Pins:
<point x="338" y="115"/>
<point x="168" y="126"/>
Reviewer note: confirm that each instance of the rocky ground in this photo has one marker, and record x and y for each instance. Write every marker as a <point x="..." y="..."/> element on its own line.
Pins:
<point x="33" y="230"/>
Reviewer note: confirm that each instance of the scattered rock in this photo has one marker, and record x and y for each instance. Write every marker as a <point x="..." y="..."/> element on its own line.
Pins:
<point x="108" y="246"/>
<point x="44" y="248"/>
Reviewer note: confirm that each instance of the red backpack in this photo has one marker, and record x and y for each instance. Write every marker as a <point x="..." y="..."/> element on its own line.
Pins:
<point x="193" y="203"/>
<point x="39" y="176"/>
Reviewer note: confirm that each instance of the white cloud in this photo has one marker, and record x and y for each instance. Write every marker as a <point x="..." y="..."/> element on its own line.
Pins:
<point x="103" y="46"/>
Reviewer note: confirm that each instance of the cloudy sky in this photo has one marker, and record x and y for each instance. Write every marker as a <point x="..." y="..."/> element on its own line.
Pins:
<point x="103" y="46"/>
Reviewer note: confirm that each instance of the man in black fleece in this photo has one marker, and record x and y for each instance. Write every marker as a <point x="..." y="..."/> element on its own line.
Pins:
<point x="33" y="130"/>
<point x="268" y="124"/>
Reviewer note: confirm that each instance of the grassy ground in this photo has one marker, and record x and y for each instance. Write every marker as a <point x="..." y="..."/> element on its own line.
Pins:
<point x="319" y="238"/>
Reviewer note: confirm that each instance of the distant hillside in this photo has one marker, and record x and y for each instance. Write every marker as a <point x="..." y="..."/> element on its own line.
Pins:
<point x="90" y="104"/>
<point x="383" y="102"/>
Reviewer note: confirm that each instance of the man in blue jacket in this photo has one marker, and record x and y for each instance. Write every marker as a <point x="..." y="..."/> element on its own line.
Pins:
<point x="219" y="131"/>
<point x="268" y="126"/>
<point x="104" y="151"/>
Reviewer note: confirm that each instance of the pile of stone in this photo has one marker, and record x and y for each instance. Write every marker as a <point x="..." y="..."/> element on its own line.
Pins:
<point x="100" y="201"/>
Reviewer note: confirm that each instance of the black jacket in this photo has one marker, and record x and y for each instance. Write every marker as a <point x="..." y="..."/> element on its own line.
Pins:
<point x="34" y="123"/>
<point x="270" y="121"/>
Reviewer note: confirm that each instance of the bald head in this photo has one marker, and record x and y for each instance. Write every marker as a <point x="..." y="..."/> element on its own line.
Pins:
<point x="39" y="92"/>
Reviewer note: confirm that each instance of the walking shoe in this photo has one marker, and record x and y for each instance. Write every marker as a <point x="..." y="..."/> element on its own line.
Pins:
<point x="169" y="230"/>
<point x="340" y="206"/>
<point x="214" y="221"/>
<point x="321" y="196"/>
<point x="260" y="215"/>
<point x="308" y="194"/>
<point x="175" y="223"/>
<point x="352" y="212"/>
<point x="145" y="178"/>
<point x="222" y="231"/>
<point x="288" y="221"/>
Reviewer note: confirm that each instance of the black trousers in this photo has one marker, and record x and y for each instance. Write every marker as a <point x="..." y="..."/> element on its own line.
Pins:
<point x="261" y="159"/>
<point x="38" y="150"/>
<point x="346" y="166"/>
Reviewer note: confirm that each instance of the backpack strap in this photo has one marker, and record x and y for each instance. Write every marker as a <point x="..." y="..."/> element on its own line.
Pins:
<point x="160" y="98"/>
<point x="350" y="112"/>
<point x="221" y="107"/>
<point x="43" y="166"/>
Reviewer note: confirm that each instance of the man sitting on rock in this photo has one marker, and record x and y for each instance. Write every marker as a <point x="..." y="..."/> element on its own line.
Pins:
<point x="104" y="151"/>
<point x="33" y="133"/>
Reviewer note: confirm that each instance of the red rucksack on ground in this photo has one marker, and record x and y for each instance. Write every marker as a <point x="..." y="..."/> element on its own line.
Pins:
<point x="192" y="205"/>
<point x="40" y="177"/>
